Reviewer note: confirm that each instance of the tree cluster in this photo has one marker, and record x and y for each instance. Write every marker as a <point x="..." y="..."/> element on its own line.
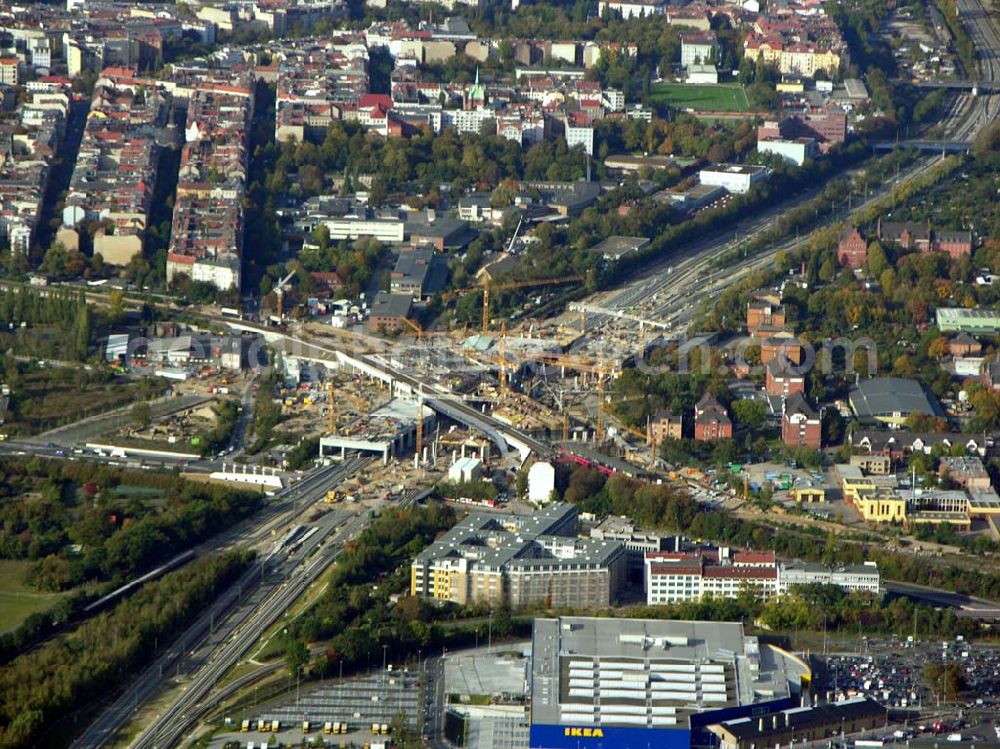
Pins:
<point x="48" y="510"/>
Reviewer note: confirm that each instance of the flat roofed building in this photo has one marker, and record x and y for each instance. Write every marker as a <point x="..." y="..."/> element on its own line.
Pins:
<point x="891" y="400"/>
<point x="615" y="247"/>
<point x="737" y="178"/>
<point x="640" y="683"/>
<point x="974" y="321"/>
<point x="636" y="541"/>
<point x="853" y="578"/>
<point x="804" y="724"/>
<point x="520" y="560"/>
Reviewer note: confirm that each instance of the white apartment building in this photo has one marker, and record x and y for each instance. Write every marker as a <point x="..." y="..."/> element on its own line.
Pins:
<point x="854" y="578"/>
<point x="384" y="230"/>
<point x="580" y="135"/>
<point x="466" y="120"/>
<point x="672" y="577"/>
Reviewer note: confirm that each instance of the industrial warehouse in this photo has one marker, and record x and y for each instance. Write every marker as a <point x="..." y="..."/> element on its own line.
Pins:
<point x="632" y="683"/>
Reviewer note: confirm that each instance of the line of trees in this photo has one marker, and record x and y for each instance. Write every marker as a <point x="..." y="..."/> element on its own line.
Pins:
<point x="355" y="616"/>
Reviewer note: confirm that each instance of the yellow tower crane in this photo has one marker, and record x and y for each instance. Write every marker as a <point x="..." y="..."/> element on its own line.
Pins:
<point x="489" y="288"/>
<point x="599" y="367"/>
<point x="331" y="417"/>
<point x="415" y="326"/>
<point x="503" y="360"/>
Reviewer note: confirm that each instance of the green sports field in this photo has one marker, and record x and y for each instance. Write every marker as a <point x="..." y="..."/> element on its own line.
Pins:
<point x="722" y="97"/>
<point x="17" y="601"/>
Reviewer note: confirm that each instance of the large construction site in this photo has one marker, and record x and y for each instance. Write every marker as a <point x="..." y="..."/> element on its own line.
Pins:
<point x="549" y="379"/>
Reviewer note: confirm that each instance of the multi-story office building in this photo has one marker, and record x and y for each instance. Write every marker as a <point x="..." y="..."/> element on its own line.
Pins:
<point x="520" y="560"/>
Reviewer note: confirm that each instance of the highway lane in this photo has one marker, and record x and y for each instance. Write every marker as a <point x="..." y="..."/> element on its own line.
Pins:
<point x="980" y="608"/>
<point x="170" y="726"/>
<point x="239" y="605"/>
<point x="200" y="695"/>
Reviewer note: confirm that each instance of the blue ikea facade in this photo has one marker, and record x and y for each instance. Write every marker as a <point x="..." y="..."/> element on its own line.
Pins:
<point x="611" y="737"/>
<point x="544" y="736"/>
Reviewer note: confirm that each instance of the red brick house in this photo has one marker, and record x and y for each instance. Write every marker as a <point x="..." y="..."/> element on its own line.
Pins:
<point x="764" y="315"/>
<point x="964" y="345"/>
<point x="956" y="243"/>
<point x="785" y="345"/>
<point x="907" y="234"/>
<point x="711" y="422"/>
<point x="778" y="381"/>
<point x="801" y="425"/>
<point x="852" y="249"/>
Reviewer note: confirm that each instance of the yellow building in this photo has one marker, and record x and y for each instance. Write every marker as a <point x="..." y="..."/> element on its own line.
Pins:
<point x="815" y="494"/>
<point x="798" y="59"/>
<point x="790" y="87"/>
<point x="879" y="505"/>
<point x="520" y="560"/>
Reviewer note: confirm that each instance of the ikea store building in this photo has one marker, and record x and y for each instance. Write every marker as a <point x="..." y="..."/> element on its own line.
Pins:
<point x="651" y="684"/>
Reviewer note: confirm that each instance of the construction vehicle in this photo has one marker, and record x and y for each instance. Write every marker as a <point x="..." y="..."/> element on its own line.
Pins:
<point x="385" y="729"/>
<point x="245" y="726"/>
<point x="262" y="725"/>
<point x="376" y="728"/>
<point x="305" y="726"/>
<point x="332" y="496"/>
<point x="275" y="726"/>
<point x="328" y="728"/>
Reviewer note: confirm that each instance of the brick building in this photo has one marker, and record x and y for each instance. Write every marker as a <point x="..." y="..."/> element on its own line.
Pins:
<point x="852" y="249"/>
<point x="956" y="243"/>
<point x="711" y="422"/>
<point x="764" y="315"/>
<point x="781" y="347"/>
<point x="664" y="425"/>
<point x="964" y="345"/>
<point x="801" y="425"/>
<point x="778" y="381"/>
<point x="908" y="235"/>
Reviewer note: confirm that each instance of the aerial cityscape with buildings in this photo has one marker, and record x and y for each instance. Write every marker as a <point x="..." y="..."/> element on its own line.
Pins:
<point x="472" y="374"/>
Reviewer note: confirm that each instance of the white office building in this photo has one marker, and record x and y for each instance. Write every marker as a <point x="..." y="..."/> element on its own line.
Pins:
<point x="736" y="178"/>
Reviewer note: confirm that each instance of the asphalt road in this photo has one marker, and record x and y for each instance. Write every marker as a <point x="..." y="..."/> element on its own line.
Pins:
<point x="980" y="608"/>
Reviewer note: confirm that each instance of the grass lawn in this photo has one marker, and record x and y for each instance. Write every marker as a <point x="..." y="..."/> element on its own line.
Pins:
<point x="723" y="97"/>
<point x="17" y="601"/>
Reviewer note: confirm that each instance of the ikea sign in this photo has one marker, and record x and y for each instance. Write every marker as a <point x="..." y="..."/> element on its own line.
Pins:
<point x="561" y="736"/>
<point x="584" y="733"/>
